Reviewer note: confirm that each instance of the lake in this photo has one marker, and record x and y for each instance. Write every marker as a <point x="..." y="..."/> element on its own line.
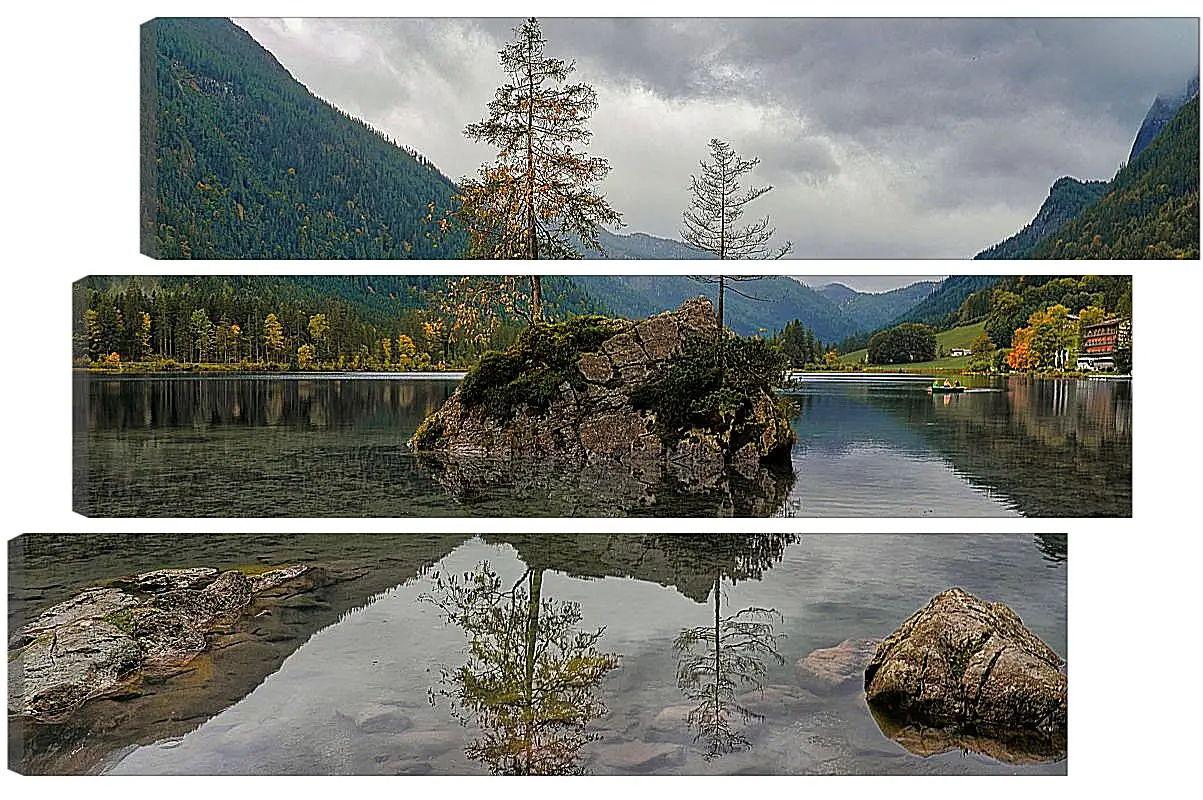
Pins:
<point x="303" y="446"/>
<point x="342" y="682"/>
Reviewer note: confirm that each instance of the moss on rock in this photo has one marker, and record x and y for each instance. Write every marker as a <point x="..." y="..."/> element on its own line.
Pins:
<point x="532" y="369"/>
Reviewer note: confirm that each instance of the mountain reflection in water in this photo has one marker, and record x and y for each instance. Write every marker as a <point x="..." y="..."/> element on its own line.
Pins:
<point x="558" y="655"/>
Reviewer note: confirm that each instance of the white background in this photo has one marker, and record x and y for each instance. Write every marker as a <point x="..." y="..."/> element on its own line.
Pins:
<point x="70" y="194"/>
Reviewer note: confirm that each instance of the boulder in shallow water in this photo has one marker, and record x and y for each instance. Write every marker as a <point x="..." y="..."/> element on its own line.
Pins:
<point x="161" y="580"/>
<point x="98" y="641"/>
<point x="89" y="604"/>
<point x="965" y="665"/>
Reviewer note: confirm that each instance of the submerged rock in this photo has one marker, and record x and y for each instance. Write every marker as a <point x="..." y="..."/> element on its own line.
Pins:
<point x="640" y="756"/>
<point x="377" y="718"/>
<point x="970" y="667"/>
<point x="595" y="391"/>
<point x="778" y="702"/>
<point x="833" y="667"/>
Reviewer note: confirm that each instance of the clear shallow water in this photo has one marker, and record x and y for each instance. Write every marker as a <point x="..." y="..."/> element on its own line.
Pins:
<point x="335" y="446"/>
<point x="351" y="694"/>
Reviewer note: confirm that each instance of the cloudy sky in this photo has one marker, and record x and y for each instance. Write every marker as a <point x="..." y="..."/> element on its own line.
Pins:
<point x="899" y="138"/>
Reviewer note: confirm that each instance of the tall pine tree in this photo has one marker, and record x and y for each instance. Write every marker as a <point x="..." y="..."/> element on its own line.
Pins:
<point x="539" y="193"/>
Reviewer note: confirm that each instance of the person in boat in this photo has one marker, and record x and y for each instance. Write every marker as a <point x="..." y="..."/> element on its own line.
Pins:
<point x="957" y="385"/>
<point x="947" y="385"/>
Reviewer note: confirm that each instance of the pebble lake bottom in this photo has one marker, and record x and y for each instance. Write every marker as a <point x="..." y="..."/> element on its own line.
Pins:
<point x="339" y="680"/>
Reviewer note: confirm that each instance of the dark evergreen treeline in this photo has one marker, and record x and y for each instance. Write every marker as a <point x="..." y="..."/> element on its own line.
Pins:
<point x="1150" y="209"/>
<point x="958" y="300"/>
<point x="239" y="160"/>
<point x="798" y="343"/>
<point x="346" y="321"/>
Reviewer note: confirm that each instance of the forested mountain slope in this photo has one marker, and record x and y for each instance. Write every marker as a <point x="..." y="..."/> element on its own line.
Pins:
<point x="239" y="160"/>
<point x="1151" y="209"/>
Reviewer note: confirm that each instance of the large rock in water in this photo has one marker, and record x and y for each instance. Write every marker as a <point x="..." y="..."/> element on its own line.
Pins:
<point x="965" y="665"/>
<point x="590" y="406"/>
<point x="95" y="643"/>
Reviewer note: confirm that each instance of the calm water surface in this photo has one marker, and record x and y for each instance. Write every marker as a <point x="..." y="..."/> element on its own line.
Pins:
<point x="335" y="446"/>
<point x="348" y="693"/>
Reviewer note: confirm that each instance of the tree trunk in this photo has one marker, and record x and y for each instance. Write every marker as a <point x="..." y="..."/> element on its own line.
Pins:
<point x="532" y="639"/>
<point x="533" y="240"/>
<point x="722" y="331"/>
<point x="536" y="298"/>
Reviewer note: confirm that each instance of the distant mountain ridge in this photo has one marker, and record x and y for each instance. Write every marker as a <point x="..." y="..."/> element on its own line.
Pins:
<point x="873" y="310"/>
<point x="642" y="246"/>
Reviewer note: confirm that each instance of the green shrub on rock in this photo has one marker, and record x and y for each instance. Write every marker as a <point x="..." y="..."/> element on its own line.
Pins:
<point x="697" y="392"/>
<point x="531" y="370"/>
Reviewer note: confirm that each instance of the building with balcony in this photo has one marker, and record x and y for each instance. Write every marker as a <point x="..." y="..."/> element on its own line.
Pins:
<point x="1100" y="341"/>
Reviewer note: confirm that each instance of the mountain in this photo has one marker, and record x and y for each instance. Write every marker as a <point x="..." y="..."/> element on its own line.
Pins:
<point x="1151" y="208"/>
<point x="642" y="246"/>
<point x="947" y="305"/>
<point x="239" y="160"/>
<point x="1159" y="115"/>
<point x="837" y="293"/>
<point x="780" y="300"/>
<point x="1067" y="199"/>
<point x="870" y="311"/>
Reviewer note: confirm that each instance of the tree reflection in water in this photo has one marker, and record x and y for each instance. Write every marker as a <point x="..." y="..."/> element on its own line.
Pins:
<point x="528" y="682"/>
<point x="716" y="662"/>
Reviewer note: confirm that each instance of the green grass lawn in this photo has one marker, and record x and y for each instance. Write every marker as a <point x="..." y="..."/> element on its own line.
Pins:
<point x="955" y="337"/>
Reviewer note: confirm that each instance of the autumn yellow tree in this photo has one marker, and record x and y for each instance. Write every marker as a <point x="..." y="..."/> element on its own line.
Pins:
<point x="539" y="196"/>
<point x="1050" y="341"/>
<point x="1022" y="357"/>
<point x="319" y="329"/>
<point x="273" y="336"/>
<point x="143" y="337"/>
<point x="386" y="345"/>
<point x="1091" y="315"/>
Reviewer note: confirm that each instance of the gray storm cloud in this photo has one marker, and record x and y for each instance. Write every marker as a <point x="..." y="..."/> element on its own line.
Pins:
<point x="883" y="138"/>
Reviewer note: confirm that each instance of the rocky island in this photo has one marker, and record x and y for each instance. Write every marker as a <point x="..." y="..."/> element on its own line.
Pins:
<point x="670" y="396"/>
